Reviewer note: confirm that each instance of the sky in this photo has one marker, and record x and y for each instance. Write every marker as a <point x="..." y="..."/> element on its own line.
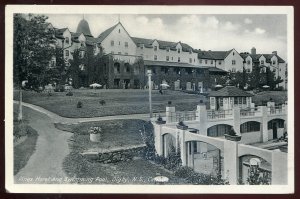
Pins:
<point x="266" y="33"/>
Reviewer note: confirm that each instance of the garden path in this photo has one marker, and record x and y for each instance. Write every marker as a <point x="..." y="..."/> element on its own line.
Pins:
<point x="51" y="149"/>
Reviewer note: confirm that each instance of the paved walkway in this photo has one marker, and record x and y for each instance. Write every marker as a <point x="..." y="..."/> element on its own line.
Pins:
<point x="56" y="118"/>
<point x="45" y="164"/>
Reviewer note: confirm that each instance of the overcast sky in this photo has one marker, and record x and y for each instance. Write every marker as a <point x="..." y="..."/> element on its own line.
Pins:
<point x="206" y="32"/>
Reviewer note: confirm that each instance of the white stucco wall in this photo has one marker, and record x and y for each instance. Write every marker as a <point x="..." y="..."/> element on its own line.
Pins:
<point x="119" y="39"/>
<point x="234" y="55"/>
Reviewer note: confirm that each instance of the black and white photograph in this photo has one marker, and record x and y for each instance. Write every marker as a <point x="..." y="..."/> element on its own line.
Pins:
<point x="149" y="99"/>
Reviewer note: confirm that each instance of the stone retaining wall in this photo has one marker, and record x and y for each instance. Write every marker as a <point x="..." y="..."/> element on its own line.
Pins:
<point x="115" y="155"/>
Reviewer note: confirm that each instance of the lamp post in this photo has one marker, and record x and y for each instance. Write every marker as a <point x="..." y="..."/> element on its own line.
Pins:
<point x="149" y="73"/>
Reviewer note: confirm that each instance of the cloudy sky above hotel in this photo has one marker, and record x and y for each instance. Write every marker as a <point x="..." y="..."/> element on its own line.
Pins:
<point x="206" y="32"/>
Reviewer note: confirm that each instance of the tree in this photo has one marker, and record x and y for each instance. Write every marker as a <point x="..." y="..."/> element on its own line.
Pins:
<point x="33" y="49"/>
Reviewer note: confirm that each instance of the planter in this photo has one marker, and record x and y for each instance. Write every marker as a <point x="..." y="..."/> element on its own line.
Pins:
<point x="95" y="137"/>
<point x="160" y="122"/>
<point x="235" y="138"/>
<point x="182" y="127"/>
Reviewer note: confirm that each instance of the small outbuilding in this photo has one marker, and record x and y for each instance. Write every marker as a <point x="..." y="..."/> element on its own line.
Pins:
<point x="229" y="97"/>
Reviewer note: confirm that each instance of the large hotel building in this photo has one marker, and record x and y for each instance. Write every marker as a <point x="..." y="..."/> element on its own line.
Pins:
<point x="127" y="59"/>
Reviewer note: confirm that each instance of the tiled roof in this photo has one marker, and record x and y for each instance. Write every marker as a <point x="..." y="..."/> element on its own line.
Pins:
<point x="230" y="91"/>
<point x="104" y="34"/>
<point x="90" y="40"/>
<point x="216" y="55"/>
<point x="162" y="44"/>
<point x="215" y="69"/>
<point x="255" y="58"/>
<point x="59" y="32"/>
<point x="171" y="64"/>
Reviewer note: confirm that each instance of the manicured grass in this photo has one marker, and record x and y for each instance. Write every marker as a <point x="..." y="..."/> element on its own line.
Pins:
<point x="279" y="97"/>
<point x="118" y="102"/>
<point x="115" y="133"/>
<point x="24" y="150"/>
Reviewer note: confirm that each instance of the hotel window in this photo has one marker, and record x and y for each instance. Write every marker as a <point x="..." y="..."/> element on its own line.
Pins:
<point x="178" y="59"/>
<point x="119" y="43"/>
<point x="262" y="62"/>
<point x="244" y="100"/>
<point x="274" y="62"/>
<point x="248" y="62"/>
<point x="155" y="57"/>
<point x="112" y="43"/>
<point x="191" y="60"/>
<point x="167" y="58"/>
<point x="211" y="62"/>
<point x="221" y="101"/>
<point x="233" y="62"/>
<point x="233" y="53"/>
<point x="240" y="100"/>
<point x="127" y="68"/>
<point x="119" y="31"/>
<point x="126" y="44"/>
<point x="200" y="61"/>
<point x="206" y="61"/>
<point x="220" y="62"/>
<point x="236" y="100"/>
<point x="155" y="48"/>
<point x="194" y="60"/>
<point x="67" y="53"/>
<point x="212" y="101"/>
<point x="178" y="50"/>
<point x="172" y="58"/>
<point x="142" y="46"/>
<point x="67" y="40"/>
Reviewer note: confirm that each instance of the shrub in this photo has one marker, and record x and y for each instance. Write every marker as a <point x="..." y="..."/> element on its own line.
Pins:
<point x="69" y="93"/>
<point x="95" y="130"/>
<point x="79" y="104"/>
<point x="102" y="102"/>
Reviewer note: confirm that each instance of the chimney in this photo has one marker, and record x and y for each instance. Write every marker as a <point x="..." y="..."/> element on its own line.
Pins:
<point x="274" y="52"/>
<point x="253" y="51"/>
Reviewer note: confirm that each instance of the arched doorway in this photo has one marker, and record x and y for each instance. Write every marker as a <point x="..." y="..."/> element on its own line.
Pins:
<point x="205" y="158"/>
<point x="248" y="175"/>
<point x="218" y="130"/>
<point x="275" y="128"/>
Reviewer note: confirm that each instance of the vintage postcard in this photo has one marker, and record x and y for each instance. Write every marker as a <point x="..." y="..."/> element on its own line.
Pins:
<point x="149" y="99"/>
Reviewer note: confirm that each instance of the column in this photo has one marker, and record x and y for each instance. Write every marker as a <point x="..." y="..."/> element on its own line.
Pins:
<point x="201" y="114"/>
<point x="183" y="149"/>
<point x="158" y="139"/>
<point x="192" y="154"/>
<point x="165" y="145"/>
<point x="231" y="162"/>
<point x="236" y="120"/>
<point x="264" y="124"/>
<point x="189" y="160"/>
<point x="170" y="114"/>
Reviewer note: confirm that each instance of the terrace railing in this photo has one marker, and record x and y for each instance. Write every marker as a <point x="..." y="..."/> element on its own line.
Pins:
<point x="276" y="110"/>
<point x="219" y="114"/>
<point x="183" y="116"/>
<point x="250" y="112"/>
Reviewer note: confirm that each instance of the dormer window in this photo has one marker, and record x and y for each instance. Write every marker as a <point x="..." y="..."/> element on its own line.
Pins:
<point x="155" y="48"/>
<point x="274" y="62"/>
<point x="178" y="50"/>
<point x="262" y="62"/>
<point x="67" y="40"/>
<point x="248" y="62"/>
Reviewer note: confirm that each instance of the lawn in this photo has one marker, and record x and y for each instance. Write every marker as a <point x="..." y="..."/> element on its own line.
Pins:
<point x="23" y="151"/>
<point x="279" y="97"/>
<point x="116" y="133"/>
<point x="136" y="171"/>
<point x="118" y="102"/>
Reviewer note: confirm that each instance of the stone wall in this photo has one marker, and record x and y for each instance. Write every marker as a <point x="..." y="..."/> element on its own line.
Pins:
<point x="116" y="154"/>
